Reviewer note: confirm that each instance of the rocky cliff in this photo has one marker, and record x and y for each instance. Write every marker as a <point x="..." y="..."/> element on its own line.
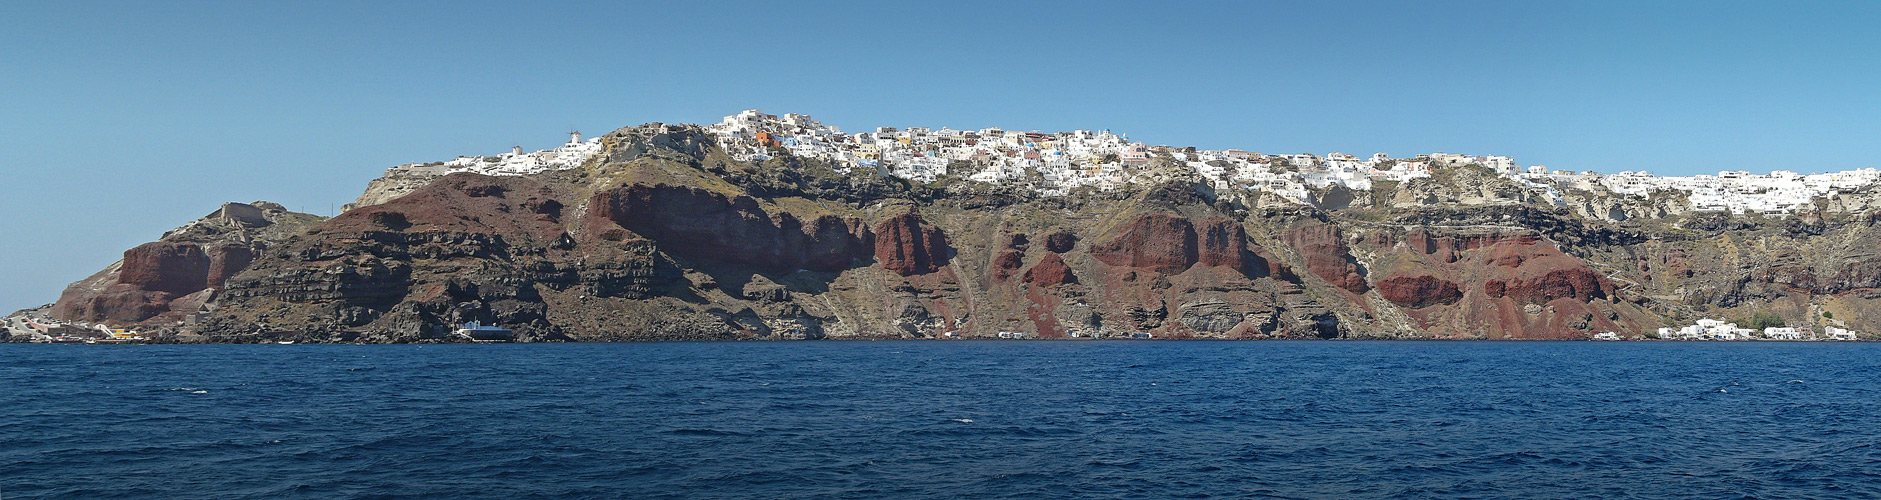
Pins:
<point x="181" y="274"/>
<point x="662" y="236"/>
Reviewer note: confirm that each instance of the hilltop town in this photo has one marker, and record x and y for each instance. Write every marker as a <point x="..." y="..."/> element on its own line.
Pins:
<point x="1054" y="164"/>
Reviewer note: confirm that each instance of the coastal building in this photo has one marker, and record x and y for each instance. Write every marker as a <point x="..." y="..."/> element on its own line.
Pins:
<point x="1708" y="329"/>
<point x="1782" y="333"/>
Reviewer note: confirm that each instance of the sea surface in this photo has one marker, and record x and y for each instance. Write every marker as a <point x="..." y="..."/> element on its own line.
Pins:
<point x="943" y="419"/>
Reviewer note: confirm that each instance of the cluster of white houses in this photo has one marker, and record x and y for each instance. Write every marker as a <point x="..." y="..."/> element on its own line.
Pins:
<point x="1056" y="163"/>
<point x="1737" y="191"/>
<point x="1712" y="329"/>
<point x="1066" y="160"/>
<point x="515" y="162"/>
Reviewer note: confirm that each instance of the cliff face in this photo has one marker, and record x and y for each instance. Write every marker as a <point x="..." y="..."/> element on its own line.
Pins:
<point x="165" y="281"/>
<point x="661" y="236"/>
<point x="908" y="246"/>
<point x="1499" y="284"/>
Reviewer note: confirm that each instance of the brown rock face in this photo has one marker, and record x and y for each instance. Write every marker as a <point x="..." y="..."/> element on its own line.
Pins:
<point x="183" y="265"/>
<point x="1224" y="244"/>
<point x="1050" y="271"/>
<point x="1419" y="291"/>
<point x="1007" y="263"/>
<point x="1011" y="257"/>
<point x="1327" y="256"/>
<point x="175" y="268"/>
<point x="1155" y="241"/>
<point x="151" y="275"/>
<point x="226" y="260"/>
<point x="1577" y="283"/>
<point x="1170" y="244"/>
<point x="460" y="204"/>
<point x="1501" y="284"/>
<point x="118" y="304"/>
<point x="907" y="245"/>
<point x="701" y="225"/>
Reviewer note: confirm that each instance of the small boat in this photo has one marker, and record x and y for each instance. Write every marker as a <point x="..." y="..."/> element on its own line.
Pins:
<point x="479" y="332"/>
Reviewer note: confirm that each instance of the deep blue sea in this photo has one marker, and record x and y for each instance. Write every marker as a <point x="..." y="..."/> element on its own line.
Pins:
<point x="893" y="420"/>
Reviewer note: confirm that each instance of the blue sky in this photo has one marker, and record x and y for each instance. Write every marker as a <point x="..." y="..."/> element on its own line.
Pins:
<point x="121" y="120"/>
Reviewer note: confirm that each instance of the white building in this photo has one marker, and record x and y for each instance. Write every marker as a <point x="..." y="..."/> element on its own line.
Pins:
<point x="1707" y="329"/>
<point x="1782" y="333"/>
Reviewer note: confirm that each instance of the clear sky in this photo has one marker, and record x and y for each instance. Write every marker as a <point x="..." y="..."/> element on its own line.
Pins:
<point x="120" y="120"/>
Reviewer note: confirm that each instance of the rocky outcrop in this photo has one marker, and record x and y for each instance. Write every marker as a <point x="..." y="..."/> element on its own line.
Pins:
<point x="1155" y="241"/>
<point x="1011" y="257"/>
<point x="184" y="268"/>
<point x="1170" y="244"/>
<point x="1323" y="248"/>
<point x="1577" y="283"/>
<point x="1224" y="243"/>
<point x="907" y="245"/>
<point x="1050" y="271"/>
<point x="1060" y="241"/>
<point x="1496" y="284"/>
<point x="1419" y="291"/>
<point x="1007" y="263"/>
<point x="171" y="267"/>
<point x="699" y="225"/>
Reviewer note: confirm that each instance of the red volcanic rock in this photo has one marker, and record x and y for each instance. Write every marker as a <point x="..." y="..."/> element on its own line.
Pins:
<point x="1529" y="270"/>
<point x="121" y="304"/>
<point x="1050" y="271"/>
<point x="1007" y="263"/>
<point x="459" y="203"/>
<point x="1327" y="256"/>
<point x="1061" y="241"/>
<point x="1224" y="244"/>
<point x="907" y="245"/>
<point x="1496" y="288"/>
<point x="1578" y="283"/>
<point x="1419" y="291"/>
<point x="226" y="260"/>
<point x="704" y="226"/>
<point x="1170" y="244"/>
<point x="175" y="268"/>
<point x="1514" y="272"/>
<point x="1449" y="248"/>
<point x="1513" y="255"/>
<point x="151" y="275"/>
<point x="1155" y="241"/>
